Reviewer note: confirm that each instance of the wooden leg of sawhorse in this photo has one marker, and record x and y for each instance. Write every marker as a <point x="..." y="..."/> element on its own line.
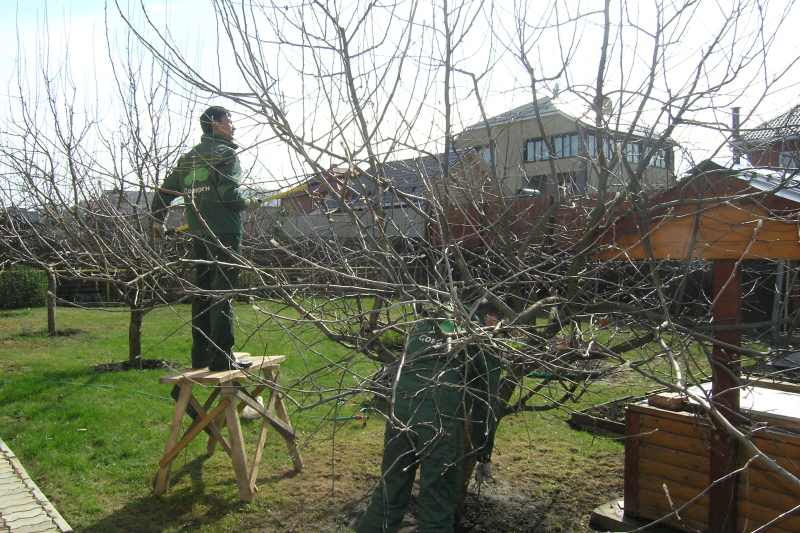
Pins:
<point x="247" y="488"/>
<point x="220" y="422"/>
<point x="161" y="481"/>
<point x="276" y="406"/>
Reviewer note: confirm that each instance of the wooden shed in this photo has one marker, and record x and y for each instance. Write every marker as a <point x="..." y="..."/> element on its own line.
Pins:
<point x="668" y="461"/>
<point x="680" y="458"/>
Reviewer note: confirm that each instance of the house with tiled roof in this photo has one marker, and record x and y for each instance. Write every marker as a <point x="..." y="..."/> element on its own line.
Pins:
<point x="773" y="144"/>
<point x="460" y="176"/>
<point x="552" y="142"/>
<point x="421" y="179"/>
<point x="416" y="181"/>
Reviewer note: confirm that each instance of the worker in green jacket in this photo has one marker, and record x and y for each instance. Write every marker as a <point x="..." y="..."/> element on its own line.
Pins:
<point x="207" y="178"/>
<point x="437" y="383"/>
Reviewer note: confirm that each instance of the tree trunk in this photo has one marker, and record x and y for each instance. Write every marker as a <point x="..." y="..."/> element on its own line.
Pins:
<point x="135" y="334"/>
<point x="51" y="303"/>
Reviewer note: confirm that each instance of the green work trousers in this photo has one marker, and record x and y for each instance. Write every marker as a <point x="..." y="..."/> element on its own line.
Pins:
<point x="212" y="316"/>
<point x="429" y="436"/>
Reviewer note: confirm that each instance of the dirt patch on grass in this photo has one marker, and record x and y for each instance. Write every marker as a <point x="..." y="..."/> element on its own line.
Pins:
<point x="144" y="364"/>
<point x="522" y="500"/>
<point x="68" y="332"/>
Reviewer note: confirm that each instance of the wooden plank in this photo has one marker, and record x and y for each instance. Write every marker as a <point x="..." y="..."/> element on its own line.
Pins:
<point x="644" y="409"/>
<point x="673" y="441"/>
<point x="238" y="458"/>
<point x="208" y="377"/>
<point x="218" y="423"/>
<point x="190" y="435"/>
<point x="788" y="464"/>
<point x="750" y="510"/>
<point x="277" y="406"/>
<point x="670" y="401"/>
<point x="262" y="437"/>
<point x="214" y="433"/>
<point x="693" y="518"/>
<point x="771" y="445"/>
<point x="684" y="476"/>
<point x="775" y="501"/>
<point x="722" y="495"/>
<point x="161" y="481"/>
<point x="282" y="427"/>
<point x="597" y="425"/>
<point x="769" y="481"/>
<point x="672" y="457"/>
<point x="678" y="492"/>
<point x="679" y="423"/>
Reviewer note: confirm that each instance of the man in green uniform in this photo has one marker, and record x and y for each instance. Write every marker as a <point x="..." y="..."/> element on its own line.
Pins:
<point x="207" y="177"/>
<point x="426" y="425"/>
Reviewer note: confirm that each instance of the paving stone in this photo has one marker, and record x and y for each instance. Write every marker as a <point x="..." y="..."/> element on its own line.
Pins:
<point x="14" y="499"/>
<point x="22" y="515"/>
<point x="38" y="528"/>
<point x="23" y="507"/>
<point x="13" y="487"/>
<point x="9" y="509"/>
<point x="30" y="521"/>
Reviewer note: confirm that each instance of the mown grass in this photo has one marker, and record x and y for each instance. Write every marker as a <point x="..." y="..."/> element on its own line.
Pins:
<point x="92" y="440"/>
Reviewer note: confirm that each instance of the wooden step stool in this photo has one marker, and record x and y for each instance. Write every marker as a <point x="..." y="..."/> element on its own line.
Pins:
<point x="231" y="395"/>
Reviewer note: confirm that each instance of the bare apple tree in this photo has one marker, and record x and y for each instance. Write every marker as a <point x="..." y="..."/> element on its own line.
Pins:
<point x="418" y="191"/>
<point x="80" y="167"/>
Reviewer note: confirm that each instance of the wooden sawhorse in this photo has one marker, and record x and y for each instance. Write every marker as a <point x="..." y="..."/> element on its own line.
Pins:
<point x="231" y="396"/>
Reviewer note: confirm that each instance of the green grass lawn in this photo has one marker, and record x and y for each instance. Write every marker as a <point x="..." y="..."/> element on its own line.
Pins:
<point x="92" y="440"/>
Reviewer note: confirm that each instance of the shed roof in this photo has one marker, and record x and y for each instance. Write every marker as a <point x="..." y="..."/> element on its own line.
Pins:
<point x="782" y="127"/>
<point x="718" y="213"/>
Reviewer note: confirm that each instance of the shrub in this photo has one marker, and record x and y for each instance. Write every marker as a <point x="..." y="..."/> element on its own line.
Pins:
<point x="23" y="287"/>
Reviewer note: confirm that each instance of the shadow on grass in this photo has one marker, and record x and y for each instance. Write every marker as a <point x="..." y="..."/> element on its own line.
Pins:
<point x="189" y="507"/>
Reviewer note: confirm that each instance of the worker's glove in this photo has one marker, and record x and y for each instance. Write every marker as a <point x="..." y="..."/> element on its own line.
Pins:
<point x="158" y="231"/>
<point x="483" y="473"/>
<point x="252" y="204"/>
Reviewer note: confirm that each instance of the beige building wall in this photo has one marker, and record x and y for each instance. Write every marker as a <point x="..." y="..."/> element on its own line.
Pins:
<point x="576" y="174"/>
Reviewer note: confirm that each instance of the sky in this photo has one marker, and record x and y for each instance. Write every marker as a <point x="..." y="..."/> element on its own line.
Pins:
<point x="77" y="28"/>
<point x="75" y="32"/>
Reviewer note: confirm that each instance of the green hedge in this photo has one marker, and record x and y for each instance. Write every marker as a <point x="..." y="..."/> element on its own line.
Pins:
<point x="23" y="287"/>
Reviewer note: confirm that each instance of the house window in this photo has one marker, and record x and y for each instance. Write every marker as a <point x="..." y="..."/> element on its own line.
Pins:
<point x="633" y="152"/>
<point x="536" y="150"/>
<point x="565" y="145"/>
<point x="608" y="147"/>
<point x="660" y="159"/>
<point x="790" y="159"/>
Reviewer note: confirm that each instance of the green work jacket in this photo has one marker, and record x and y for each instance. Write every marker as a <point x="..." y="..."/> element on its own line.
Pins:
<point x="208" y="178"/>
<point x="473" y="374"/>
